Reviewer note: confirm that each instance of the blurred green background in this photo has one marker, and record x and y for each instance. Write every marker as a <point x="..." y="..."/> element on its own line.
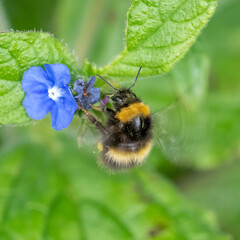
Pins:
<point x="52" y="189"/>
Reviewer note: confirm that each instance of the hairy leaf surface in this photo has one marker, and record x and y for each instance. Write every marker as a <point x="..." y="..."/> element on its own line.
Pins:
<point x="158" y="34"/>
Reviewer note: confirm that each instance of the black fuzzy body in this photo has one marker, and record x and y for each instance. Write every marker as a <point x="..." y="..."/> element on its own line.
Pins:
<point x="129" y="137"/>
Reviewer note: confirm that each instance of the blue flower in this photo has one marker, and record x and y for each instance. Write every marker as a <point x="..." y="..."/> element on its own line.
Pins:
<point x="47" y="91"/>
<point x="86" y="93"/>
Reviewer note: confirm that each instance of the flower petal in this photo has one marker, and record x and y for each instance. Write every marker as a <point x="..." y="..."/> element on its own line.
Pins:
<point x="35" y="77"/>
<point x="62" y="113"/>
<point x="59" y="73"/>
<point x="86" y="93"/>
<point x="66" y="93"/>
<point x="104" y="101"/>
<point x="94" y="95"/>
<point x="78" y="86"/>
<point x="84" y="102"/>
<point x="90" y="83"/>
<point x="38" y="89"/>
<point x="37" y="107"/>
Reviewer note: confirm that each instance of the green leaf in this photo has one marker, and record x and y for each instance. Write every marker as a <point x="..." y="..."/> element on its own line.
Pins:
<point x="158" y="34"/>
<point x="62" y="193"/>
<point x="18" y="52"/>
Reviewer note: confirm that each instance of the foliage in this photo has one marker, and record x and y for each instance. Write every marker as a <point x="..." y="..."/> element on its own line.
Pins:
<point x="46" y="193"/>
<point x="158" y="34"/>
<point x="52" y="190"/>
<point x="163" y="40"/>
<point x="219" y="191"/>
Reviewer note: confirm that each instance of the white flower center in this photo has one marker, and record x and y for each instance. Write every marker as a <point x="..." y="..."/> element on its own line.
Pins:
<point x="54" y="93"/>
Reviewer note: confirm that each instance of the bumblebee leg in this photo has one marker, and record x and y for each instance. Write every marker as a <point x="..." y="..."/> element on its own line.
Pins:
<point x="93" y="120"/>
<point x="109" y="111"/>
<point x="98" y="108"/>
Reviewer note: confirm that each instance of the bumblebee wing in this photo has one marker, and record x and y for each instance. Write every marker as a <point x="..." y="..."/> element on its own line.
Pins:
<point x="88" y="135"/>
<point x="84" y="132"/>
<point x="179" y="132"/>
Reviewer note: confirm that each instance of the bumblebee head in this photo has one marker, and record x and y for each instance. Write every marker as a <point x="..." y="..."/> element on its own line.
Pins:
<point x="123" y="98"/>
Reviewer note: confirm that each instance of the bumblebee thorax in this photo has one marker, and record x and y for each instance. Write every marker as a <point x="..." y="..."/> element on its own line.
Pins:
<point x="133" y="112"/>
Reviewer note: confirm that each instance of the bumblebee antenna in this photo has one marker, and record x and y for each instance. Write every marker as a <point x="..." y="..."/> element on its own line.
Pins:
<point x="107" y="82"/>
<point x="136" y="78"/>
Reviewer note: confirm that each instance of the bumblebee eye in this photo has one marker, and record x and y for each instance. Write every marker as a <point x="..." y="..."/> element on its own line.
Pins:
<point x="117" y="99"/>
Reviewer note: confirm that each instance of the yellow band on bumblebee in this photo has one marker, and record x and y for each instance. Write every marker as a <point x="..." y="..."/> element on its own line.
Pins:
<point x="128" y="113"/>
<point x="126" y="157"/>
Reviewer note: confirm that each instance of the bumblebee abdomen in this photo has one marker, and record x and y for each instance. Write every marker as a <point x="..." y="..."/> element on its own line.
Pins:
<point x="129" y="137"/>
<point x="117" y="158"/>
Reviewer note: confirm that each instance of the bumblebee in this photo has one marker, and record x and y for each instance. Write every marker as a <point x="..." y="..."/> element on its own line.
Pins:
<point x="127" y="136"/>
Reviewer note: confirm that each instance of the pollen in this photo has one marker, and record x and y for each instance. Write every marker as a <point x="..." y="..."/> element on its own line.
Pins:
<point x="54" y="93"/>
<point x="100" y="147"/>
